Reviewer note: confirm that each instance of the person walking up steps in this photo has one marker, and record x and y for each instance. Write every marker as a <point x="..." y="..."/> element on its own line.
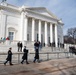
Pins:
<point x="9" y="57"/>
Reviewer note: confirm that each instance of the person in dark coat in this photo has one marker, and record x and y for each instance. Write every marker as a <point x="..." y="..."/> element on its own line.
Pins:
<point x="36" y="52"/>
<point x="18" y="45"/>
<point x="21" y="45"/>
<point x="9" y="57"/>
<point x="25" y="55"/>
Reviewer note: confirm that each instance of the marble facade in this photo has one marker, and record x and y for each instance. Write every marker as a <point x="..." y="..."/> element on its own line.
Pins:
<point x="27" y="24"/>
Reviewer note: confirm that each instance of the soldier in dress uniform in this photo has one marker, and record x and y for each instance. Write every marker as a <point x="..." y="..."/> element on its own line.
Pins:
<point x="36" y="44"/>
<point x="25" y="55"/>
<point x="9" y="57"/>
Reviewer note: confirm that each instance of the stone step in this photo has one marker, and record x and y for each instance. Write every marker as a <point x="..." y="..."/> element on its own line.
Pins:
<point x="53" y="49"/>
<point x="4" y="48"/>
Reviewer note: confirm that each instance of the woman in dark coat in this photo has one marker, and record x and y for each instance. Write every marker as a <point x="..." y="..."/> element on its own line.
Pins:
<point x="25" y="55"/>
<point x="9" y="57"/>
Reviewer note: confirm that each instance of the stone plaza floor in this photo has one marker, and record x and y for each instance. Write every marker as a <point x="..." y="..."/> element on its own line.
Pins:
<point x="65" y="66"/>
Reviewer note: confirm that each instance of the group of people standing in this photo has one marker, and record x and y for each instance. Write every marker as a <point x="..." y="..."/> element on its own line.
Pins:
<point x="25" y="54"/>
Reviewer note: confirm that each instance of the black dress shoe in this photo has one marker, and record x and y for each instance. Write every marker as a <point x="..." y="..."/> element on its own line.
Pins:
<point x="21" y="62"/>
<point x="27" y="63"/>
<point x="4" y="64"/>
<point x="33" y="61"/>
<point x="11" y="64"/>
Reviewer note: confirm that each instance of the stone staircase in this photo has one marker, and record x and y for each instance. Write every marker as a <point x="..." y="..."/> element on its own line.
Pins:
<point x="56" y="53"/>
<point x="4" y="48"/>
<point x="46" y="53"/>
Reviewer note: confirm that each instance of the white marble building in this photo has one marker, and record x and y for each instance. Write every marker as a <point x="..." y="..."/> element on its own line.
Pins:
<point x="27" y="24"/>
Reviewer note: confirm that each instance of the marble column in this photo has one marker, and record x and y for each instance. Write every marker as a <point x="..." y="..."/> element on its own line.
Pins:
<point x="25" y="28"/>
<point x="3" y="25"/>
<point x="56" y="36"/>
<point x="21" y="36"/>
<point x="51" y="33"/>
<point x="7" y="33"/>
<point x="33" y="29"/>
<point x="39" y="29"/>
<point x="46" y="38"/>
<point x="62" y="41"/>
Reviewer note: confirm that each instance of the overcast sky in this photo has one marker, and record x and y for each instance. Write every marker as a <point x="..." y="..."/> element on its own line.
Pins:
<point x="65" y="9"/>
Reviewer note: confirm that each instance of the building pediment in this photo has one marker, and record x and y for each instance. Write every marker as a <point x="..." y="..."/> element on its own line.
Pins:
<point x="43" y="11"/>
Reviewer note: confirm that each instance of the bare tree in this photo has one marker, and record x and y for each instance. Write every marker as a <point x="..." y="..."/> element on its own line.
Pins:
<point x="71" y="36"/>
<point x="72" y="33"/>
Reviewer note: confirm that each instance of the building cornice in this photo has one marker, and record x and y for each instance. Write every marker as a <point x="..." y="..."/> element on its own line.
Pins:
<point x="60" y="22"/>
<point x="9" y="8"/>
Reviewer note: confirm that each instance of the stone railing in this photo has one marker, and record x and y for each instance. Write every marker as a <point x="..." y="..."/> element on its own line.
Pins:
<point x="17" y="57"/>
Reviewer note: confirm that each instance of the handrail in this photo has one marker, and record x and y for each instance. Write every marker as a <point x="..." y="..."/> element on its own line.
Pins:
<point x="3" y="53"/>
<point x="66" y="54"/>
<point x="50" y="52"/>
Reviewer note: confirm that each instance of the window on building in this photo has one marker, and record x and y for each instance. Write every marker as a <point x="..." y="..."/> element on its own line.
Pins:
<point x="11" y="35"/>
